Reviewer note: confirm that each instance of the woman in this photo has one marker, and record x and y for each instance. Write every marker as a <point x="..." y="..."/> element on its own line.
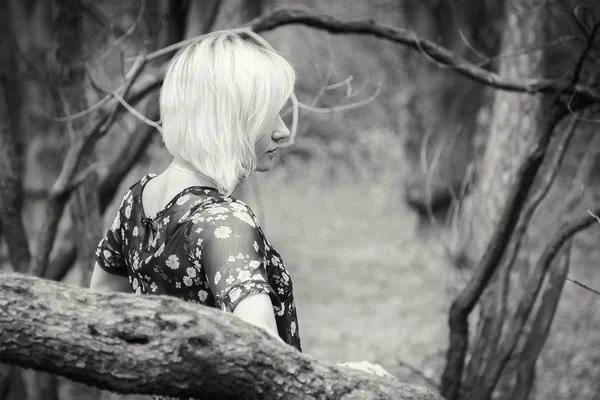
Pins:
<point x="179" y="233"/>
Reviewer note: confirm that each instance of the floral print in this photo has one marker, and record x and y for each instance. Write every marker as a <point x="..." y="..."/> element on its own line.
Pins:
<point x="201" y="247"/>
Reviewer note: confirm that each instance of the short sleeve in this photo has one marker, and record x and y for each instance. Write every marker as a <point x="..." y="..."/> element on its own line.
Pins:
<point x="109" y="253"/>
<point x="225" y="239"/>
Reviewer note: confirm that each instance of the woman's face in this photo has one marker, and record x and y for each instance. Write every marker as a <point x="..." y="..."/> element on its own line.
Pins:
<point x="266" y="146"/>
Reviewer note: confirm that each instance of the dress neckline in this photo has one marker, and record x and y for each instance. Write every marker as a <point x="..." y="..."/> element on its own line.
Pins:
<point x="147" y="178"/>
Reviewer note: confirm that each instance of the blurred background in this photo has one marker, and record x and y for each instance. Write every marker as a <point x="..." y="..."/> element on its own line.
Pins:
<point x="395" y="183"/>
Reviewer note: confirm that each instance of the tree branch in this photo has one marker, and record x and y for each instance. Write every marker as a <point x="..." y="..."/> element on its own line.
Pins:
<point x="129" y="155"/>
<point x="540" y="327"/>
<point x="465" y="302"/>
<point x="408" y="38"/>
<point x="508" y="345"/>
<point x="59" y="194"/>
<point x="128" y="343"/>
<point x="493" y="320"/>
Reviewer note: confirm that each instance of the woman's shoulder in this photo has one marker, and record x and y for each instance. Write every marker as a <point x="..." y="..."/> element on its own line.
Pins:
<point x="136" y="187"/>
<point x="223" y="216"/>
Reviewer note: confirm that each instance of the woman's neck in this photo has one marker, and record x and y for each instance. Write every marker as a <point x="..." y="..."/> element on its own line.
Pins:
<point x="183" y="171"/>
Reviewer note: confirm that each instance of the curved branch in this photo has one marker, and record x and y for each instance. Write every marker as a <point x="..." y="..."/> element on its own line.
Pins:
<point x="532" y="289"/>
<point x="492" y="325"/>
<point x="128" y="343"/>
<point x="129" y="155"/>
<point x="408" y="38"/>
<point x="60" y="192"/>
<point x="465" y="302"/>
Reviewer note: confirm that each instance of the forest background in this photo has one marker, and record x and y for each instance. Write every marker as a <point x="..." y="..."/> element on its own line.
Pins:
<point x="427" y="186"/>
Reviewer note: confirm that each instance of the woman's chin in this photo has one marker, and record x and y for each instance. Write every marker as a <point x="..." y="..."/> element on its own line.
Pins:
<point x="264" y="166"/>
<point x="265" y="163"/>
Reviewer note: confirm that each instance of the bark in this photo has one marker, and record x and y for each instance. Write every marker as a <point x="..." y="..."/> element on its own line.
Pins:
<point x="127" y="343"/>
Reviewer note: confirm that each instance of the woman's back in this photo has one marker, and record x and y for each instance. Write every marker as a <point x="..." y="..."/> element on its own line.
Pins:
<point x="199" y="246"/>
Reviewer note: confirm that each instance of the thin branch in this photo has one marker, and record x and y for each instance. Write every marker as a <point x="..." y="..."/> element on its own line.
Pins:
<point x="416" y="371"/>
<point x="583" y="285"/>
<point x="594" y="215"/>
<point x="345" y="82"/>
<point x="72" y="117"/>
<point x="528" y="50"/>
<point x="585" y="54"/>
<point x="129" y="32"/>
<point x="137" y="114"/>
<point x="532" y="288"/>
<point x="58" y="193"/>
<point x="183" y="43"/>
<point x="100" y="18"/>
<point x="345" y="107"/>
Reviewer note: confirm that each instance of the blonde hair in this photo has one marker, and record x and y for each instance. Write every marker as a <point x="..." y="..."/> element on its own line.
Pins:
<point x="218" y="96"/>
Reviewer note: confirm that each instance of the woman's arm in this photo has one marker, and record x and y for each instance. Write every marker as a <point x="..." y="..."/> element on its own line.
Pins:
<point x="102" y="281"/>
<point x="257" y="310"/>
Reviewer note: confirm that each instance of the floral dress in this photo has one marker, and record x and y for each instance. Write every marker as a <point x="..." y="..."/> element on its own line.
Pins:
<point x="201" y="247"/>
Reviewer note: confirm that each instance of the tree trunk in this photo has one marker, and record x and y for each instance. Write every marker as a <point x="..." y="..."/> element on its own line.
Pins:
<point x="516" y="123"/>
<point x="161" y="345"/>
<point x="11" y="159"/>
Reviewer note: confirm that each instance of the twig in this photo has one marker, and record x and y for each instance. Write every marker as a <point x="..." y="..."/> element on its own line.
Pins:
<point x="129" y="32"/>
<point x="83" y="113"/>
<point x="585" y="53"/>
<point x="594" y="215"/>
<point x="345" y="107"/>
<point x="524" y="51"/>
<point x="416" y="371"/>
<point x="583" y="285"/>
<point x="137" y="114"/>
<point x="176" y="46"/>
<point x="345" y="82"/>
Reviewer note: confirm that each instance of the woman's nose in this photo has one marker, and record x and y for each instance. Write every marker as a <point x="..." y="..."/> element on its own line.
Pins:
<point x="281" y="131"/>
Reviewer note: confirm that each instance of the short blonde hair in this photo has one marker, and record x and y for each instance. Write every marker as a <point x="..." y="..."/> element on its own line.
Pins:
<point x="217" y="97"/>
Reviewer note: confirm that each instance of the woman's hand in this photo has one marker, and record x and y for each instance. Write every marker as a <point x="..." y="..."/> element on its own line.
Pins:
<point x="366" y="366"/>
